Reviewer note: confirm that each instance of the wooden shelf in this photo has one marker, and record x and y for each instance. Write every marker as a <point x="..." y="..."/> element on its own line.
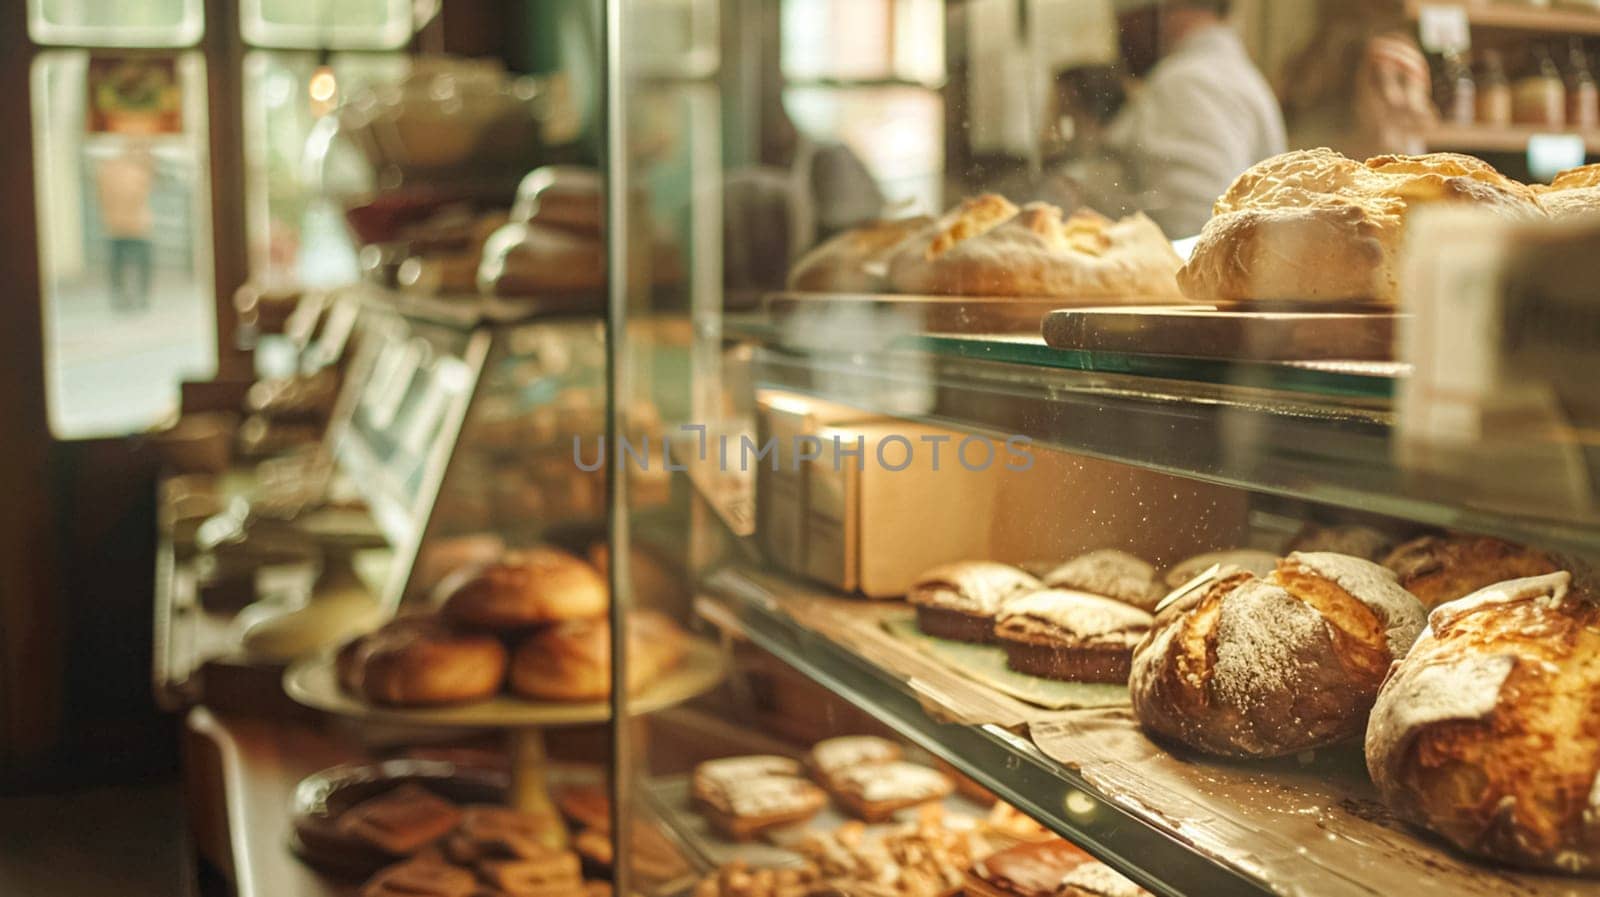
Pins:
<point x="1473" y="138"/>
<point x="1519" y="17"/>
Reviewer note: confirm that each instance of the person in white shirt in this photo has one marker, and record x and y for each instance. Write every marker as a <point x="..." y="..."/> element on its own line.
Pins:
<point x="1204" y="113"/>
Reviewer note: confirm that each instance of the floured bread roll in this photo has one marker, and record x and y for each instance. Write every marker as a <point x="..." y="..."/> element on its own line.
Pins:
<point x="1315" y="226"/>
<point x="1488" y="733"/>
<point x="1573" y="192"/>
<point x="856" y="261"/>
<point x="988" y="247"/>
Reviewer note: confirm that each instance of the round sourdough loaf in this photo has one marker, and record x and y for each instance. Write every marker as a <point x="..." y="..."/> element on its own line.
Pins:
<point x="1488" y="733"/>
<point x="1248" y="667"/>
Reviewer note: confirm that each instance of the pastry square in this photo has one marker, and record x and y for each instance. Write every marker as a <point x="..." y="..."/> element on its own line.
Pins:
<point x="876" y="792"/>
<point x="401" y="821"/>
<point x="833" y="754"/>
<point x="1073" y="636"/>
<point x="959" y="601"/>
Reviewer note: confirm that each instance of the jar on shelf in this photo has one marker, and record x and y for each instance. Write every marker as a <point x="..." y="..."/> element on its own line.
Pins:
<point x="1457" y="92"/>
<point x="1494" y="92"/>
<point x="1583" y="96"/>
<point x="1540" y="98"/>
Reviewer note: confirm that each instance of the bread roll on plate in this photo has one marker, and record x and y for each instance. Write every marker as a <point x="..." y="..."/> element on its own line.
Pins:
<point x="525" y="588"/>
<point x="572" y="661"/>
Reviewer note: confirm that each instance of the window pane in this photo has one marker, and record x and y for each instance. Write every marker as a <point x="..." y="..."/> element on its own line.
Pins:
<point x="331" y="24"/>
<point x="297" y="238"/>
<point x="122" y="183"/>
<point x="896" y="131"/>
<point x="858" y="40"/>
<point x="116" y="23"/>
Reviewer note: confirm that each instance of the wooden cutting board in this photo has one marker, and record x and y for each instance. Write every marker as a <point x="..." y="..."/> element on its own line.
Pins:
<point x="1201" y="331"/>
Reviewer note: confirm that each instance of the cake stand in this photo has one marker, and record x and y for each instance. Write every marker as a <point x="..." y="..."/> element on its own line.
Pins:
<point x="314" y="683"/>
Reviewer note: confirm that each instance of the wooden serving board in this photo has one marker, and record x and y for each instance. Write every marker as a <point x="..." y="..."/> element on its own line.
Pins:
<point x="1204" y="331"/>
<point x="894" y="315"/>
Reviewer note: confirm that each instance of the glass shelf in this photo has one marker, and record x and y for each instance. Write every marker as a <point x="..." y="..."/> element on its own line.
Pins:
<point x="1176" y="824"/>
<point x="1314" y="431"/>
<point x="1000" y="760"/>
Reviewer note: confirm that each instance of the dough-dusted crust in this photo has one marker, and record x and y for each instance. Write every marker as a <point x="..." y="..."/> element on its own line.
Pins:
<point x="572" y="661"/>
<point x="422" y="661"/>
<point x="876" y="792"/>
<point x="1439" y="569"/>
<point x="988" y="247"/>
<point x="1248" y="667"/>
<point x="527" y="588"/>
<point x="1488" y="733"/>
<point x="1254" y="560"/>
<point x="1316" y="226"/>
<point x="1112" y="573"/>
<point x="856" y="261"/>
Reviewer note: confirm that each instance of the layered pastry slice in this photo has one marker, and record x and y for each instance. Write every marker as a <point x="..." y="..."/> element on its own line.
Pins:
<point x="1074" y="636"/>
<point x="959" y="601"/>
<point x="831" y="755"/>
<point x="745" y="796"/>
<point x="875" y="792"/>
<point x="1053" y="868"/>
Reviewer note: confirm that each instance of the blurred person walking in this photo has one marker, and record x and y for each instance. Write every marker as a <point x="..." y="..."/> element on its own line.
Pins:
<point x="123" y="184"/>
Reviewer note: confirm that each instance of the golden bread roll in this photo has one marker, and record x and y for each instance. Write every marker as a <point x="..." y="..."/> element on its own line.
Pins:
<point x="856" y="261"/>
<point x="1315" y="226"/>
<point x="1439" y="569"/>
<point x="1249" y="667"/>
<point x="526" y="588"/>
<point x="988" y="247"/>
<point x="1488" y="733"/>
<point x="572" y="661"/>
<point x="422" y="661"/>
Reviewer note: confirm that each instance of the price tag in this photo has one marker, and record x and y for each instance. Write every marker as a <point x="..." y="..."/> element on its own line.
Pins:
<point x="1443" y="28"/>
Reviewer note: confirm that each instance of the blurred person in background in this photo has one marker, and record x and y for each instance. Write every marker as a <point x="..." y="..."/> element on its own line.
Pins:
<point x="1361" y="85"/>
<point x="123" y="184"/>
<point x="1200" y="115"/>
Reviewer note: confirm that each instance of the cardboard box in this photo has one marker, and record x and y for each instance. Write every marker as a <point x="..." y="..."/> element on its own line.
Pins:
<point x="875" y="522"/>
<point x="784" y="417"/>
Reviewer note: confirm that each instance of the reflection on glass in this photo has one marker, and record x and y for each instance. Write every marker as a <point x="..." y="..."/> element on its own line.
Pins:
<point x="332" y="24"/>
<point x="125" y="241"/>
<point x="297" y="238"/>
<point x="897" y="132"/>
<point x="116" y="23"/>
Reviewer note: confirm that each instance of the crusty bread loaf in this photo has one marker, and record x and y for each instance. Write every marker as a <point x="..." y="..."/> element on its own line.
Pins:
<point x="1573" y="192"/>
<point x="1438" y="569"/>
<point x="1249" y="667"/>
<point x="988" y="247"/>
<point x="1488" y="733"/>
<point x="1315" y="226"/>
<point x="856" y="261"/>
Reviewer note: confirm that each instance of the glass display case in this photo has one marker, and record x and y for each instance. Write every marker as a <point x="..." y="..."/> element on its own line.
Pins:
<point x="1040" y="477"/>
